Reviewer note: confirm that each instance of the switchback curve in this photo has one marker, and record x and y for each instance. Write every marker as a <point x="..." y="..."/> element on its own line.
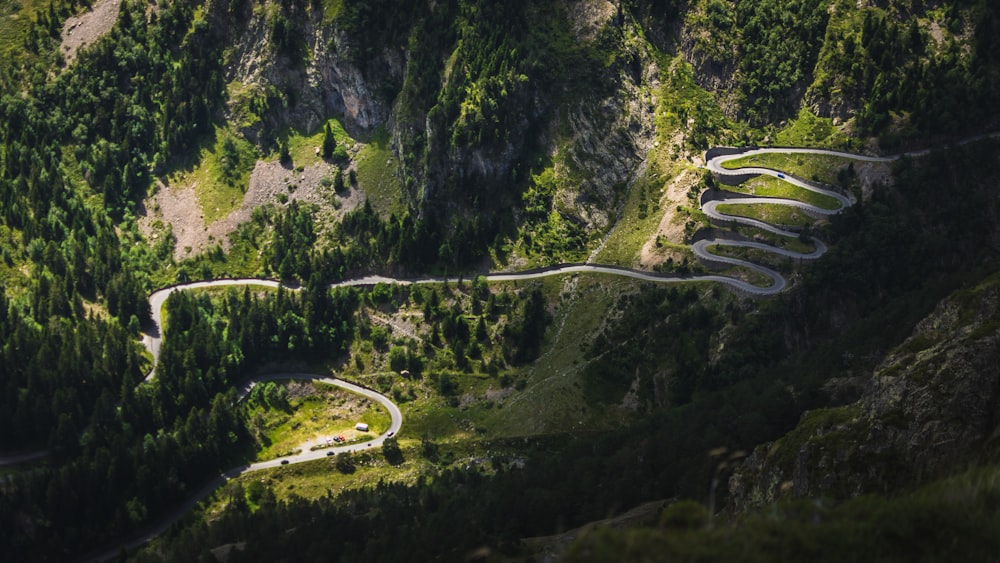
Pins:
<point x="711" y="209"/>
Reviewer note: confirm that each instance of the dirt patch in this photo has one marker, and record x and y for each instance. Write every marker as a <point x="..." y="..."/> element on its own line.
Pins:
<point x="85" y="29"/>
<point x="300" y="389"/>
<point x="631" y="399"/>
<point x="671" y="228"/>
<point x="936" y="32"/>
<point x="498" y="394"/>
<point x="222" y="552"/>
<point x="467" y="400"/>
<point x="178" y="206"/>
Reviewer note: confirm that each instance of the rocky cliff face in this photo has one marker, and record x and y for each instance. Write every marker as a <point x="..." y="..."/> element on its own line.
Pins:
<point x="608" y="139"/>
<point x="305" y="93"/>
<point x="931" y="408"/>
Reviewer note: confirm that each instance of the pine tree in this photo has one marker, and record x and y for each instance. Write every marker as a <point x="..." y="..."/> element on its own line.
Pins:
<point x="283" y="154"/>
<point x="329" y="142"/>
<point x="338" y="181"/>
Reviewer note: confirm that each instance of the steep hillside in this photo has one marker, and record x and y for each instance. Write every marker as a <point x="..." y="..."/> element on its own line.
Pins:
<point x="951" y="519"/>
<point x="896" y="68"/>
<point x="907" y="471"/>
<point x="360" y="165"/>
<point x="930" y="409"/>
<point x="476" y="98"/>
<point x="518" y="132"/>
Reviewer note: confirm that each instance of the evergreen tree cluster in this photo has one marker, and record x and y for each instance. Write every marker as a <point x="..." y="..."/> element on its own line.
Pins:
<point x="138" y="97"/>
<point x="781" y="41"/>
<point x="895" y="66"/>
<point x="144" y="448"/>
<point x="53" y="372"/>
<point x="881" y="61"/>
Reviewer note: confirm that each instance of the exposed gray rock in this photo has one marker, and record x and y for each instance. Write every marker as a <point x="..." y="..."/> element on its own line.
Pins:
<point x="932" y="407"/>
<point x="326" y="84"/>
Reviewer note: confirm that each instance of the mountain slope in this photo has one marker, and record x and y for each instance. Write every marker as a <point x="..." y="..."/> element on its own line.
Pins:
<point x="443" y="138"/>
<point x="930" y="409"/>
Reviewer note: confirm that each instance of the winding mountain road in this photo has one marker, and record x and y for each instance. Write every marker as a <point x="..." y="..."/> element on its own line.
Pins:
<point x="305" y="455"/>
<point x="153" y="336"/>
<point x="711" y="209"/>
<point x="154" y="339"/>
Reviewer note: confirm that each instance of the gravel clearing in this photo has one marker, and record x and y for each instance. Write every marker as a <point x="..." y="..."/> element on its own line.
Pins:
<point x="670" y="228"/>
<point x="179" y="206"/>
<point x="85" y="29"/>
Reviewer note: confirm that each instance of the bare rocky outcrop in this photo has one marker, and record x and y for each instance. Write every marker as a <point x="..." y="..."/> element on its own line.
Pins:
<point x="715" y="60"/>
<point x="596" y="141"/>
<point x="608" y="137"/>
<point x="270" y="182"/>
<point x="327" y="83"/>
<point x="86" y="28"/>
<point x="931" y="408"/>
<point x="588" y="17"/>
<point x="840" y="109"/>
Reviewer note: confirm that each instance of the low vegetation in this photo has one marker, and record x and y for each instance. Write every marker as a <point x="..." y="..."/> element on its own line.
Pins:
<point x="808" y="130"/>
<point x="769" y="186"/>
<point x="641" y="214"/>
<point x="219" y="176"/>
<point x="773" y="213"/>
<point x="825" y="169"/>
<point x="377" y="175"/>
